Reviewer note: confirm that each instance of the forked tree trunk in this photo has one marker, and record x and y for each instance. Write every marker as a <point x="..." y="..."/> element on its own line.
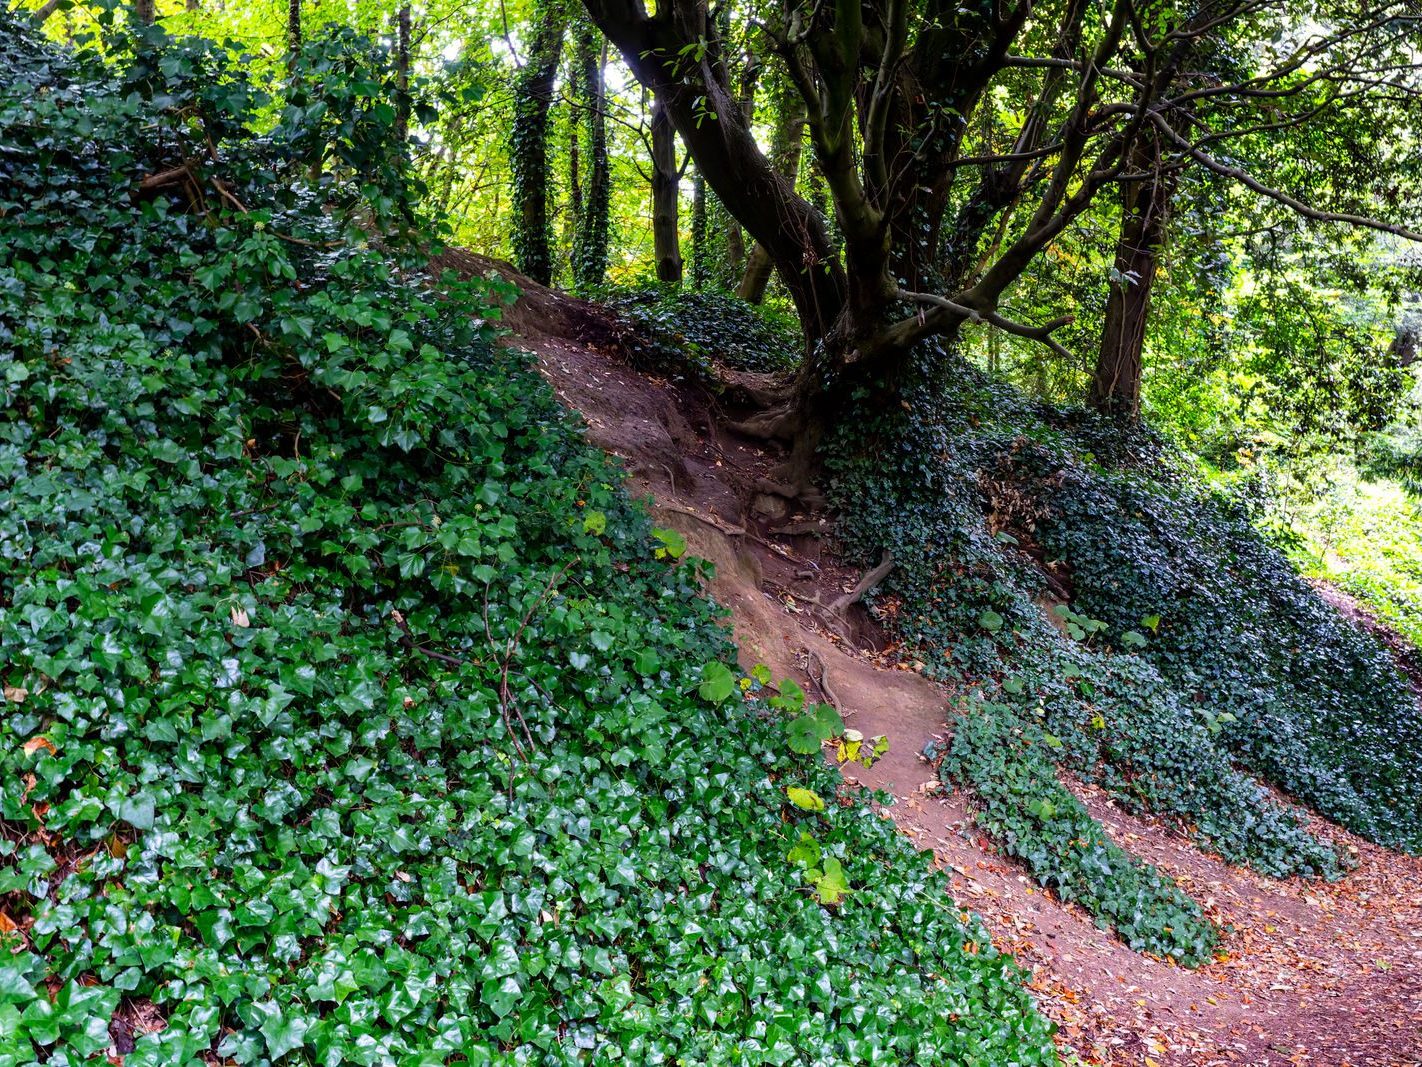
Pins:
<point x="1145" y="214"/>
<point x="666" y="233"/>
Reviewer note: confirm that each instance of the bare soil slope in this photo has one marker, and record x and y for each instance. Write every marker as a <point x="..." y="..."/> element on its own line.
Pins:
<point x="1324" y="975"/>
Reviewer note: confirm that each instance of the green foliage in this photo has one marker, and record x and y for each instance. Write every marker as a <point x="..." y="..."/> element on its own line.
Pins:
<point x="1025" y="807"/>
<point x="683" y="329"/>
<point x="341" y="729"/>
<point x="1190" y="648"/>
<point x="1361" y="533"/>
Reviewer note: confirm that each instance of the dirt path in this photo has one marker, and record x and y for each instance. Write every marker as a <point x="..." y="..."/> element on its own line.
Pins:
<point x="1320" y="975"/>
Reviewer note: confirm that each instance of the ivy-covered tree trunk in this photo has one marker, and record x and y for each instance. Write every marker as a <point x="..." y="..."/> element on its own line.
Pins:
<point x="1145" y="212"/>
<point x="666" y="179"/>
<point x="528" y="143"/>
<point x="592" y="227"/>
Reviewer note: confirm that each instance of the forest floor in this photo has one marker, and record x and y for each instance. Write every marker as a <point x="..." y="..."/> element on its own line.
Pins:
<point x="1309" y="974"/>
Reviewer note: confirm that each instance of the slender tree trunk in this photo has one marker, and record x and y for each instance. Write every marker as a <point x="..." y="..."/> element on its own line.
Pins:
<point x="293" y="33"/>
<point x="575" y="152"/>
<point x="700" y="263"/>
<point x="402" y="73"/>
<point x="145" y="11"/>
<point x="528" y="149"/>
<point x="592" y="230"/>
<point x="666" y="235"/>
<point x="1145" y="212"/>
<point x="42" y="13"/>
<point x="785" y="146"/>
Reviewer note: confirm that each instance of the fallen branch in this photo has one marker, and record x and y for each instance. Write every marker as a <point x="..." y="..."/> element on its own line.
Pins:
<point x="164" y="178"/>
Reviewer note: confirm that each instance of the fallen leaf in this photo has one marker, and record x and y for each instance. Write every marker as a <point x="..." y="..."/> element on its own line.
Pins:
<point x="34" y="744"/>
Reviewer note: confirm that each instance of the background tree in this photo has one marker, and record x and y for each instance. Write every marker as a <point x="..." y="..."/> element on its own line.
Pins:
<point x="591" y="233"/>
<point x="528" y="142"/>
<point x="666" y="183"/>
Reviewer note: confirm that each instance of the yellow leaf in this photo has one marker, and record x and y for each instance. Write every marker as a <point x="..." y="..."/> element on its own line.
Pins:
<point x="805" y="799"/>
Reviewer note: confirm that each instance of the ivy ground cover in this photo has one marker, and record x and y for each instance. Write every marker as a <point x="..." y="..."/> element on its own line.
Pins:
<point x="1107" y="615"/>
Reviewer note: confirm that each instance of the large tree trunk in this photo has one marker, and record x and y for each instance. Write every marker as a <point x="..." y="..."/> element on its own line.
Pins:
<point x="1145" y="212"/>
<point x="144" y="11"/>
<point x="666" y="181"/>
<point x="528" y="148"/>
<point x="591" y="234"/>
<point x="731" y="161"/>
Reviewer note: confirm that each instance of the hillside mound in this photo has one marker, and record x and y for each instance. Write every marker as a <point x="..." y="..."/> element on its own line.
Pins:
<point x="355" y="713"/>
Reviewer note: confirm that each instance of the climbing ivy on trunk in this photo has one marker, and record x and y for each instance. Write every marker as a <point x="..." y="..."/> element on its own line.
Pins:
<point x="592" y="228"/>
<point x="528" y="143"/>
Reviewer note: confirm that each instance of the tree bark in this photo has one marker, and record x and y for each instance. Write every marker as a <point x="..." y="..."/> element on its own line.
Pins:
<point x="1145" y="212"/>
<point x="528" y="149"/>
<point x="785" y="145"/>
<point x="700" y="267"/>
<point x="666" y="180"/>
<point x="145" y="11"/>
<point x="293" y="33"/>
<point x="402" y="73"/>
<point x="591" y="232"/>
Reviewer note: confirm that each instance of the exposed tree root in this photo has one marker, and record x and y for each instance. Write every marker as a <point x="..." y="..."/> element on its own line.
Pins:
<point x="870" y="579"/>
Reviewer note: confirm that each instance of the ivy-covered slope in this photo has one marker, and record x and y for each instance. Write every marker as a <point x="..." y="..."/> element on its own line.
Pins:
<point x="351" y="714"/>
<point x="1188" y="663"/>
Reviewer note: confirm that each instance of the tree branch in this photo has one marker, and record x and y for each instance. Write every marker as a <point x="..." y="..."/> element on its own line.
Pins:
<point x="1277" y="195"/>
